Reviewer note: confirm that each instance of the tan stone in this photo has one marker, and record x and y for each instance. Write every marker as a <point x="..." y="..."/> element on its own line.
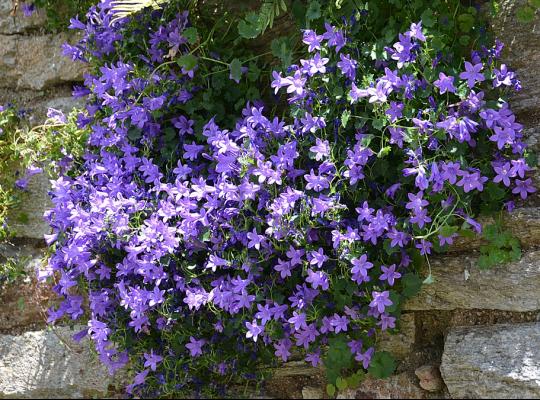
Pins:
<point x="400" y="386"/>
<point x="460" y="284"/>
<point x="430" y="378"/>
<point x="18" y="23"/>
<point x="401" y="343"/>
<point x="36" y="62"/>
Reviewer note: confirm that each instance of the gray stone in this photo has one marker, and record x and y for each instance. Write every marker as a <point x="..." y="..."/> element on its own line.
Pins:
<point x="18" y="23"/>
<point x="27" y="220"/>
<point x="49" y="364"/>
<point x="460" y="284"/>
<point x="521" y="53"/>
<point x="36" y="62"/>
<point x="64" y="104"/>
<point x="497" y="361"/>
<point x="401" y="343"/>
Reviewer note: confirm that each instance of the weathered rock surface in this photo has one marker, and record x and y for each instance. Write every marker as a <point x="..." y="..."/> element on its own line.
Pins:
<point x="522" y="52"/>
<point x="460" y="284"/>
<point x="36" y="62"/>
<point x="400" y="386"/>
<point x="27" y="220"/>
<point x="499" y="361"/>
<point x="49" y="364"/>
<point x="18" y="23"/>
<point x="401" y="343"/>
<point x="429" y="378"/>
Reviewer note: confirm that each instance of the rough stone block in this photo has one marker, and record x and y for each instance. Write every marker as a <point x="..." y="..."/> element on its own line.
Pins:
<point x="49" y="364"/>
<point x="460" y="284"/>
<point x="498" y="361"/>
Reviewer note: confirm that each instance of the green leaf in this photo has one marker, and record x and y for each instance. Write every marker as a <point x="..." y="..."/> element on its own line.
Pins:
<point x="345" y="118"/>
<point x="299" y="12"/>
<point x="250" y="26"/>
<point x="191" y="34"/>
<point x="314" y="11"/>
<point x="427" y="18"/>
<point x="382" y="365"/>
<point x="384" y="151"/>
<point x="447" y="230"/>
<point x="466" y="22"/>
<point x="341" y="383"/>
<point x="188" y="61"/>
<point x="525" y="14"/>
<point x="330" y="390"/>
<point x="535" y="3"/>
<point x="282" y="49"/>
<point x="235" y="68"/>
<point x="411" y="285"/>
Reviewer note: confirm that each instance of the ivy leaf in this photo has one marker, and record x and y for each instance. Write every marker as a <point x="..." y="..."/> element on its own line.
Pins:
<point x="411" y="285"/>
<point x="235" y="69"/>
<point x="330" y="390"/>
<point x="314" y="11"/>
<point x="341" y="383"/>
<point x="447" y="230"/>
<point x="427" y="18"/>
<point x="188" y="61"/>
<point x="282" y="49"/>
<point x="382" y="365"/>
<point x="250" y="26"/>
<point x="191" y="34"/>
<point x="466" y="22"/>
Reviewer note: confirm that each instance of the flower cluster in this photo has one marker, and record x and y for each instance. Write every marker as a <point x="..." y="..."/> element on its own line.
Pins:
<point x="204" y="247"/>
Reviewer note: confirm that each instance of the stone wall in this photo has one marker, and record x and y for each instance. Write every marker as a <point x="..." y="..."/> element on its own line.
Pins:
<point x="472" y="333"/>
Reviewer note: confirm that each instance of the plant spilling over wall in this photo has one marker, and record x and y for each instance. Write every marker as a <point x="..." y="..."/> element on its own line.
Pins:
<point x="212" y="244"/>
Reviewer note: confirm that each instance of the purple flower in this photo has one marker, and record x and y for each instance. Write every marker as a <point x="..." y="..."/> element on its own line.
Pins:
<point x="381" y="300"/>
<point x="312" y="40"/>
<point x="523" y="187"/>
<point x="339" y="323"/>
<point x="416" y="202"/>
<point x="389" y="274"/>
<point x="318" y="278"/>
<point x="347" y="65"/>
<point x="151" y="360"/>
<point x="415" y="31"/>
<point x="360" y="269"/>
<point x="321" y="149"/>
<point x="445" y="83"/>
<point x="283" y="349"/>
<point x="255" y="240"/>
<point x="314" y="359"/>
<point x="504" y="173"/>
<point x="365" y="358"/>
<point x="195" y="346"/>
<point x="254" y="330"/>
<point x="298" y="320"/>
<point x="317" y="257"/>
<point x="472" y="73"/>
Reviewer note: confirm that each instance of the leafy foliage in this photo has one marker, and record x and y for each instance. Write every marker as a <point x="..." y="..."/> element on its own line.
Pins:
<point x="213" y="232"/>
